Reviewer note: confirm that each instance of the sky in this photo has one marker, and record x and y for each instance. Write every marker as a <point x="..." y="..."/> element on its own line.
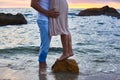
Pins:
<point x="71" y="3"/>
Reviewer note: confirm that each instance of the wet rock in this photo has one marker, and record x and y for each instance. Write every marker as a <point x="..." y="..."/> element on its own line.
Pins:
<point x="68" y="65"/>
<point x="106" y="10"/>
<point x="10" y="19"/>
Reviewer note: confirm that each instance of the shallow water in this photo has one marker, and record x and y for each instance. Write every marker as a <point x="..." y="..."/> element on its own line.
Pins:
<point x="95" y="40"/>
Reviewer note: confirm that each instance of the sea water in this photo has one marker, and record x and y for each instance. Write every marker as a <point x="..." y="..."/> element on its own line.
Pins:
<point x="95" y="41"/>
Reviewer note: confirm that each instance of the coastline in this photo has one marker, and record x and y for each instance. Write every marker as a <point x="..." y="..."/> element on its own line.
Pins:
<point x="32" y="74"/>
<point x="25" y="67"/>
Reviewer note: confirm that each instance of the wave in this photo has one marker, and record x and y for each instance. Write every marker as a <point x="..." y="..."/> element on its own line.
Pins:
<point x="72" y="14"/>
<point x="27" y="49"/>
<point x="27" y="14"/>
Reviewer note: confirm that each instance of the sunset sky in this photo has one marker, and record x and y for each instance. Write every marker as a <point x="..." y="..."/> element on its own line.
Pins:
<point x="72" y="3"/>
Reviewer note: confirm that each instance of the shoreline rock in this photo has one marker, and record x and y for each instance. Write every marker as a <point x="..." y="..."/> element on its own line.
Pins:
<point x="106" y="10"/>
<point x="68" y="65"/>
<point x="10" y="19"/>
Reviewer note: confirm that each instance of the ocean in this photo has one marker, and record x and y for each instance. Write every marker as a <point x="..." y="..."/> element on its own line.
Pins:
<point x="95" y="42"/>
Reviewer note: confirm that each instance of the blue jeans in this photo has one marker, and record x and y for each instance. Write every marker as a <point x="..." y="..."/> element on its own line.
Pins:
<point x="45" y="39"/>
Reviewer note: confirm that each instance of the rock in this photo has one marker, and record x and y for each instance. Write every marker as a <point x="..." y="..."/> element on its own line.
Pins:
<point x="10" y="19"/>
<point x="106" y="10"/>
<point x="68" y="65"/>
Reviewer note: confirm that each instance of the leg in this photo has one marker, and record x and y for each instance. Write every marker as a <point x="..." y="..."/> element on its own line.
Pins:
<point x="70" y="51"/>
<point x="45" y="43"/>
<point x="64" y="44"/>
<point x="67" y="47"/>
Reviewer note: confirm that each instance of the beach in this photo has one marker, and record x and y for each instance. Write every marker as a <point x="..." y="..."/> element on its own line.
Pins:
<point x="95" y="42"/>
<point x="25" y="67"/>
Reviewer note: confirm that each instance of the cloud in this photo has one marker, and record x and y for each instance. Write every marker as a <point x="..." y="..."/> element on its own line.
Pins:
<point x="14" y="3"/>
<point x="83" y="1"/>
<point x="26" y="3"/>
<point x="92" y="1"/>
<point x="116" y="1"/>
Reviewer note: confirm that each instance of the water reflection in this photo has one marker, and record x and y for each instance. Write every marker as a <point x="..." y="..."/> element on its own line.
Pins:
<point x="65" y="76"/>
<point x="42" y="76"/>
<point x="58" y="76"/>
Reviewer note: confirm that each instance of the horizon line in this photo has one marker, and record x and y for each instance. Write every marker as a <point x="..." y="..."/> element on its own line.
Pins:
<point x="68" y="8"/>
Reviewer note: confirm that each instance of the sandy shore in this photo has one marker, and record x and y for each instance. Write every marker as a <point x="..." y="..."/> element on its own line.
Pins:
<point x="32" y="74"/>
<point x="25" y="67"/>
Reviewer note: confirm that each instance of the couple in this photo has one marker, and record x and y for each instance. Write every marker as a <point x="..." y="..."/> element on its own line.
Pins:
<point x="52" y="21"/>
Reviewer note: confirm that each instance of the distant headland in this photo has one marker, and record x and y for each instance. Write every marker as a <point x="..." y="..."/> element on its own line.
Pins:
<point x="106" y="10"/>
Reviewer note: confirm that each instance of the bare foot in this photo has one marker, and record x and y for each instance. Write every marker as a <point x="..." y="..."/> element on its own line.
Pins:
<point x="63" y="57"/>
<point x="42" y="68"/>
<point x="42" y="71"/>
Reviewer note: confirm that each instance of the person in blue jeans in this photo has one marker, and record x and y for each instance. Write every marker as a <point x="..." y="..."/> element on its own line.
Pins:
<point x="44" y="12"/>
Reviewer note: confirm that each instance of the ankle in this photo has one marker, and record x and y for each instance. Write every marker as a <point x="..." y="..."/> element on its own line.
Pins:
<point x="42" y="64"/>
